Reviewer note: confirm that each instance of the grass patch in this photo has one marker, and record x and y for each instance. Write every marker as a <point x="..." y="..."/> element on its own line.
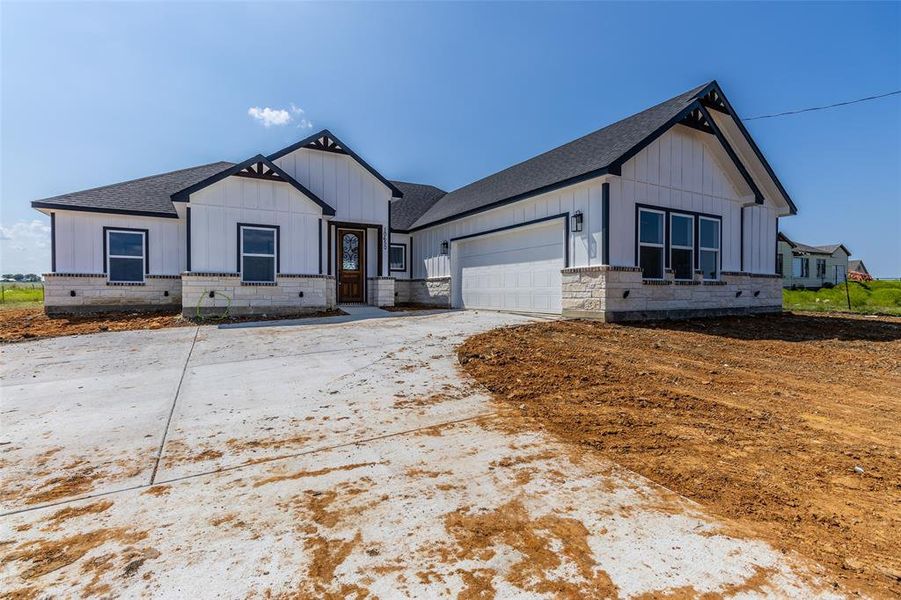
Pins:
<point x="871" y="297"/>
<point x="20" y="294"/>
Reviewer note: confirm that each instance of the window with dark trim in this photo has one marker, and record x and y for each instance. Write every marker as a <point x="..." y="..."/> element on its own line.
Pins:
<point x="126" y="257"/>
<point x="397" y="257"/>
<point x="709" y="247"/>
<point x="779" y="260"/>
<point x="651" y="243"/>
<point x="682" y="245"/>
<point x="800" y="267"/>
<point x="821" y="268"/>
<point x="258" y="248"/>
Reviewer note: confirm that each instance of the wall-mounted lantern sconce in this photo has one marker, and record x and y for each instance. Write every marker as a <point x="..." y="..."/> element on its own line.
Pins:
<point x="757" y="293"/>
<point x="72" y="293"/>
<point x="738" y="293"/>
<point x="626" y="294"/>
<point x="444" y="247"/>
<point x="577" y="221"/>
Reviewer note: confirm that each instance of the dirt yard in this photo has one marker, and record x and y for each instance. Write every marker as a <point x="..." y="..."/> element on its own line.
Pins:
<point x="19" y="324"/>
<point x="787" y="425"/>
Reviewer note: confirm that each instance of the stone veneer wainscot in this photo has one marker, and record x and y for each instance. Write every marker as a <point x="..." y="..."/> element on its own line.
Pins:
<point x="435" y="291"/>
<point x="75" y="293"/>
<point x="611" y="293"/>
<point x="289" y="294"/>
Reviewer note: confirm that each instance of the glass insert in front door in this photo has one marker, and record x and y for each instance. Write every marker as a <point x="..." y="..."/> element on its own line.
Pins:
<point x="350" y="252"/>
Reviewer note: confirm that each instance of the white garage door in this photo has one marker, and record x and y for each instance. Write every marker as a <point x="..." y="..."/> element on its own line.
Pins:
<point x="518" y="269"/>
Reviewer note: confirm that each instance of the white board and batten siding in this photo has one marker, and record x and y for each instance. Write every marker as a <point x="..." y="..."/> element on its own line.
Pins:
<point x="216" y="211"/>
<point x="688" y="170"/>
<point x="404" y="240"/>
<point x="79" y="241"/>
<point x="584" y="246"/>
<point x="356" y="194"/>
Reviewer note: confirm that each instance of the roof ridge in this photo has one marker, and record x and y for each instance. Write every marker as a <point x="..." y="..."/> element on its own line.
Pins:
<point x="146" y="177"/>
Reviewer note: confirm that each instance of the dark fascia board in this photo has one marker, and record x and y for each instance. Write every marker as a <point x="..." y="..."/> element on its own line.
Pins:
<point x="741" y="126"/>
<point x="185" y="194"/>
<point x="396" y="193"/>
<point x="758" y="196"/>
<point x="111" y="211"/>
<point x="516" y="198"/>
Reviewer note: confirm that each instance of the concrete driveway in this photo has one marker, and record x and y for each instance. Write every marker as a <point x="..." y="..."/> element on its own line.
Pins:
<point x="326" y="461"/>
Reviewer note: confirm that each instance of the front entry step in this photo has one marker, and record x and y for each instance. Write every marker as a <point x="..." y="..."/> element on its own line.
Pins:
<point x="363" y="310"/>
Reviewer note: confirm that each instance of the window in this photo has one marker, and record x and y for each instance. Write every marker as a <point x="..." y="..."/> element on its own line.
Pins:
<point x="126" y="255"/>
<point x="800" y="267"/>
<point x="821" y="268"/>
<point x="397" y="257"/>
<point x="258" y="251"/>
<point x="709" y="247"/>
<point x="779" y="264"/>
<point x="681" y="253"/>
<point x="650" y="243"/>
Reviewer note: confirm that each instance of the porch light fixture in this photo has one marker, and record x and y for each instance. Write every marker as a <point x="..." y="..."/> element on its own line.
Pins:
<point x="577" y="221"/>
<point x="444" y="247"/>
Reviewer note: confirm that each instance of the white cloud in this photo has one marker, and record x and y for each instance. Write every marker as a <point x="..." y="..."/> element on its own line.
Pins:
<point x="280" y="116"/>
<point x="25" y="247"/>
<point x="269" y="116"/>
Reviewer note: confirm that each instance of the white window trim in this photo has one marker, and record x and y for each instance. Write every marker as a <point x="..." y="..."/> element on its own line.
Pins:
<point x="402" y="246"/>
<point x="719" y="237"/>
<point x="110" y="255"/>
<point x="273" y="256"/>
<point x="662" y="246"/>
<point x="690" y="247"/>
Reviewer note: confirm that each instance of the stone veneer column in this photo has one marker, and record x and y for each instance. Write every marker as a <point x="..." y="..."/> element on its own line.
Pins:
<point x="380" y="291"/>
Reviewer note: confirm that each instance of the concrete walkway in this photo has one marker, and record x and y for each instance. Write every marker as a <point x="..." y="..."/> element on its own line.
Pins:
<point x="343" y="460"/>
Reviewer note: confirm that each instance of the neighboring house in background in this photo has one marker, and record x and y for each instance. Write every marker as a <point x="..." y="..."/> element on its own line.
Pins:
<point x="804" y="266"/>
<point x="857" y="266"/>
<point x="671" y="212"/>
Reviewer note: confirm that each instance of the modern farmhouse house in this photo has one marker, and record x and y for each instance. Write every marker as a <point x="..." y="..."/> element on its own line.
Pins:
<point x="803" y="266"/>
<point x="671" y="212"/>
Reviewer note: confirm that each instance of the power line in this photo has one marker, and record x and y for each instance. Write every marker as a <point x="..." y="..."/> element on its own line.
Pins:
<point x="803" y="110"/>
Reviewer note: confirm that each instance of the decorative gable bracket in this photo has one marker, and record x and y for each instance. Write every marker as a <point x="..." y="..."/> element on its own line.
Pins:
<point x="326" y="143"/>
<point x="259" y="170"/>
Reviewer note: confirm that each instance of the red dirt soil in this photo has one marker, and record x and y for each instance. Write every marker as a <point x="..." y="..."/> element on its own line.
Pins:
<point x="19" y="324"/>
<point x="766" y="421"/>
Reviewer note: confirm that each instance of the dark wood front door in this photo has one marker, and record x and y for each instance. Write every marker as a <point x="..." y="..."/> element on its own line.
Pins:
<point x="351" y="264"/>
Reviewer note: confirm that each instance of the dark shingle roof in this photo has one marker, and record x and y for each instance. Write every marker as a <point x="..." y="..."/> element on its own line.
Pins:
<point x="147" y="195"/>
<point x="418" y="198"/>
<point x="584" y="156"/>
<point x="857" y="265"/>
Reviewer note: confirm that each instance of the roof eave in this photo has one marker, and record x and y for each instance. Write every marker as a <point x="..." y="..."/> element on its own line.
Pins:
<point x="185" y="194"/>
<point x="523" y="196"/>
<point x="38" y="204"/>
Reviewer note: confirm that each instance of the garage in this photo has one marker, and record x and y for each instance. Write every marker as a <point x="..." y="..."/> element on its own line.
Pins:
<point x="516" y="269"/>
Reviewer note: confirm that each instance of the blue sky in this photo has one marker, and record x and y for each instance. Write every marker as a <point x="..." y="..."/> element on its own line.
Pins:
<point x="443" y="94"/>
